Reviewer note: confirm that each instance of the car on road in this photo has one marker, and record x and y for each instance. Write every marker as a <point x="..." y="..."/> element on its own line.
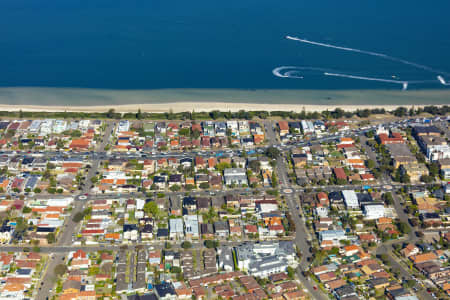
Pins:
<point x="315" y="288"/>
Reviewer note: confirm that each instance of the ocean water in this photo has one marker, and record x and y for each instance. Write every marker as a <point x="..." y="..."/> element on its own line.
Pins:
<point x="236" y="44"/>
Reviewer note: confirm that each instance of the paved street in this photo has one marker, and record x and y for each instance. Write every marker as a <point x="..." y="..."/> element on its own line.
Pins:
<point x="65" y="238"/>
<point x="387" y="247"/>
<point x="301" y="234"/>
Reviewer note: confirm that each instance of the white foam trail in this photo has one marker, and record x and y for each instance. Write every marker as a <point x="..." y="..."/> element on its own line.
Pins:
<point x="277" y="72"/>
<point x="287" y="72"/>
<point x="294" y="71"/>
<point x="403" y="83"/>
<point x="406" y="62"/>
<point x="292" y="74"/>
<point x="442" y="80"/>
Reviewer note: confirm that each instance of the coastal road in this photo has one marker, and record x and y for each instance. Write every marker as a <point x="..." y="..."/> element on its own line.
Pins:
<point x="301" y="232"/>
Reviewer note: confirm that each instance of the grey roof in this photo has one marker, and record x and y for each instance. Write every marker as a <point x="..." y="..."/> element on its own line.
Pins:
<point x="266" y="263"/>
<point x="425" y="129"/>
<point x="175" y="202"/>
<point x="225" y="256"/>
<point x="247" y="250"/>
<point x="234" y="171"/>
<point x="399" y="150"/>
<point x="164" y="289"/>
<point x="220" y="226"/>
<point x="143" y="297"/>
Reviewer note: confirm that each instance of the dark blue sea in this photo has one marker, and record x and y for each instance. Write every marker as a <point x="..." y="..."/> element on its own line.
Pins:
<point x="148" y="44"/>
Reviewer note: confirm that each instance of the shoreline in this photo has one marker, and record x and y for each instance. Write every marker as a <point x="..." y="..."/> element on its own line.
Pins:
<point x="178" y="107"/>
<point x="202" y="100"/>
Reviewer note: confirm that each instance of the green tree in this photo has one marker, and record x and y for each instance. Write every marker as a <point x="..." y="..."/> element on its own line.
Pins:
<point x="426" y="178"/>
<point x="211" y="244"/>
<point x="384" y="258"/>
<point x="388" y="199"/>
<point x="78" y="217"/>
<point x="273" y="152"/>
<point x="434" y="169"/>
<point x="76" y="133"/>
<point x="111" y="113"/>
<point x="400" y="112"/>
<point x="291" y="272"/>
<point x="139" y="114"/>
<point x="21" y="225"/>
<point x="274" y="180"/>
<point x="255" y="166"/>
<point x="222" y="166"/>
<point x="403" y="227"/>
<point x="410" y="284"/>
<point x="334" y="250"/>
<point x="51" y="238"/>
<point x="150" y="208"/>
<point x="175" y="188"/>
<point x="204" y="185"/>
<point x="60" y="270"/>
<point x="94" y="180"/>
<point x="184" y="132"/>
<point x="186" y="245"/>
<point x="189" y="187"/>
<point x="370" y="164"/>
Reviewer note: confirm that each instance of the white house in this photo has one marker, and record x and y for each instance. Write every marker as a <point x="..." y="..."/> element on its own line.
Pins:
<point x="225" y="259"/>
<point x="307" y="127"/>
<point x="333" y="236"/>
<point x="124" y="125"/>
<point x="322" y="211"/>
<point x="235" y="176"/>
<point x="374" y="211"/>
<point x="176" y="228"/>
<point x="265" y="258"/>
<point x="191" y="224"/>
<point x="350" y="199"/>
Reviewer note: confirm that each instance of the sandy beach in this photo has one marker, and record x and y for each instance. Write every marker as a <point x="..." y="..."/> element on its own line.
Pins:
<point x="195" y="106"/>
<point x="180" y="100"/>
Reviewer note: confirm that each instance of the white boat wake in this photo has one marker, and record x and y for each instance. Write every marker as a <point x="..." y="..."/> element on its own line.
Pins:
<point x="295" y="71"/>
<point x="442" y="80"/>
<point x="403" y="83"/>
